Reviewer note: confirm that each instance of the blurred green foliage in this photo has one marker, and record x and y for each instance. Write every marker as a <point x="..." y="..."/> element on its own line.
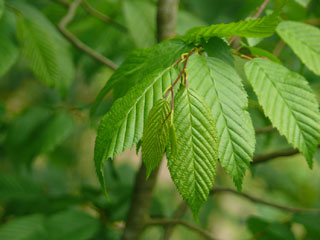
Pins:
<point x="48" y="185"/>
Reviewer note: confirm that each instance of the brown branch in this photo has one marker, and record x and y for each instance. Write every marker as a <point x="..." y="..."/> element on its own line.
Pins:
<point x="264" y="202"/>
<point x="165" y="221"/>
<point x="269" y="156"/>
<point x="261" y="8"/>
<point x="62" y="26"/>
<point x="167" y="16"/>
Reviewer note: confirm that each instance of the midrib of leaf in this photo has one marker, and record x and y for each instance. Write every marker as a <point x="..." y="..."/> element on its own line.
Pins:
<point x="292" y="112"/>
<point x="40" y="52"/>
<point x="233" y="143"/>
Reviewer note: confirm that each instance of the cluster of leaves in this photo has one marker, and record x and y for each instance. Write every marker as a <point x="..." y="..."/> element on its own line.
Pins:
<point x="208" y="119"/>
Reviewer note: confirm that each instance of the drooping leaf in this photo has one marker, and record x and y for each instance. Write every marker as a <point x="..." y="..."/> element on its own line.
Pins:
<point x="24" y="228"/>
<point x="8" y="54"/>
<point x="141" y="21"/>
<point x="46" y="50"/>
<point x="304" y="41"/>
<point x="139" y="64"/>
<point x="193" y="167"/>
<point x="156" y="134"/>
<point x="217" y="48"/>
<point x="223" y="91"/>
<point x="122" y="126"/>
<point x="259" y="28"/>
<point x="289" y="103"/>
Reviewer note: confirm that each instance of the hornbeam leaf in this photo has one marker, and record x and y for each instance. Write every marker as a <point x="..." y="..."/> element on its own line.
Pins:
<point x="289" y="102"/>
<point x="304" y="41"/>
<point x="258" y="28"/>
<point x="9" y="54"/>
<point x="45" y="48"/>
<point x="156" y="134"/>
<point x="193" y="167"/>
<point x="140" y="63"/>
<point x="223" y="91"/>
<point x="122" y="126"/>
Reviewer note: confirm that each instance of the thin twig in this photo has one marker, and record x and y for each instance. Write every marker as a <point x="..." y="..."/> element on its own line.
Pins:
<point x="278" y="48"/>
<point x="264" y="130"/>
<point x="62" y="26"/>
<point x="92" y="11"/>
<point x="261" y="8"/>
<point x="259" y="11"/>
<point x="166" y="221"/>
<point x="264" y="202"/>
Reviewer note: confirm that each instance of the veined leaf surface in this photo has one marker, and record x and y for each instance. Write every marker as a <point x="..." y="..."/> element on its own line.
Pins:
<point x="289" y="103"/>
<point x="223" y="91"/>
<point x="193" y="167"/>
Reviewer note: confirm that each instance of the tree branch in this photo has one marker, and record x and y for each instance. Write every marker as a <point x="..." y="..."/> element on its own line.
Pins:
<point x="165" y="221"/>
<point x="264" y="202"/>
<point x="264" y="130"/>
<point x="259" y="11"/>
<point x="92" y="11"/>
<point x="62" y="26"/>
<point x="182" y="208"/>
<point x="141" y="199"/>
<point x="269" y="156"/>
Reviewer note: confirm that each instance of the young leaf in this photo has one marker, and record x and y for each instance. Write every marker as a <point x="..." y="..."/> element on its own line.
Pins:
<point x="193" y="167"/>
<point x="9" y="54"/>
<point x="304" y="41"/>
<point x="156" y="134"/>
<point x="218" y="48"/>
<point x="45" y="49"/>
<point x="222" y="89"/>
<point x="259" y="28"/>
<point x="141" y="21"/>
<point x="122" y="126"/>
<point x="289" y="103"/>
<point x="139" y="64"/>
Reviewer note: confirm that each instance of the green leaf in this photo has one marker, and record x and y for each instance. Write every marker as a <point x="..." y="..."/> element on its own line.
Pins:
<point x="9" y="54"/>
<point x="259" y="28"/>
<point x="46" y="50"/>
<point x="186" y="21"/>
<point x="289" y="102"/>
<point x="223" y="91"/>
<point x="141" y="21"/>
<point x="304" y="41"/>
<point x="218" y="48"/>
<point x="139" y="64"/>
<point x="156" y="135"/>
<point x="1" y="8"/>
<point x="24" y="228"/>
<point x="259" y="52"/>
<point x="264" y="230"/>
<point x="122" y="126"/>
<point x="193" y="168"/>
<point x="80" y="226"/>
